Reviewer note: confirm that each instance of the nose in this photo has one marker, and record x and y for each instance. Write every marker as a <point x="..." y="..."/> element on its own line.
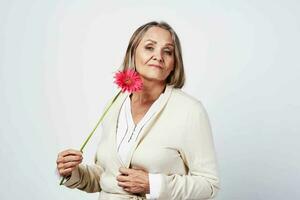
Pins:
<point x="157" y="56"/>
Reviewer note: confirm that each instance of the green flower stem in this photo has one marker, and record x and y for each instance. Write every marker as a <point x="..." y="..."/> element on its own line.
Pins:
<point x="91" y="134"/>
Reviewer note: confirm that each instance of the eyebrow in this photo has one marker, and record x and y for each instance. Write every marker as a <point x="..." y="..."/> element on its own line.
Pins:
<point x="167" y="44"/>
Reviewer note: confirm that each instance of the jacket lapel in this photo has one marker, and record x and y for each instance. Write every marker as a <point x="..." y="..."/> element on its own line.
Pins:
<point x="149" y="124"/>
<point x="112" y="120"/>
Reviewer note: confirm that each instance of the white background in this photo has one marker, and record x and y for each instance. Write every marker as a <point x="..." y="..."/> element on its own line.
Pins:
<point x="57" y="59"/>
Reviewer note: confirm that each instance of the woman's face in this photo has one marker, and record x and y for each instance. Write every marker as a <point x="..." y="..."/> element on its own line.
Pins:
<point x="154" y="56"/>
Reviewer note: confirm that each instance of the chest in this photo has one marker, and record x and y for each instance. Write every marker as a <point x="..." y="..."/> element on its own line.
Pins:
<point x="155" y="153"/>
<point x="138" y="111"/>
<point x="159" y="148"/>
<point x="160" y="151"/>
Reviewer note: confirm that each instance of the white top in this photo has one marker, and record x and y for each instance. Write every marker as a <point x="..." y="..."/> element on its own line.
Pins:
<point x="127" y="134"/>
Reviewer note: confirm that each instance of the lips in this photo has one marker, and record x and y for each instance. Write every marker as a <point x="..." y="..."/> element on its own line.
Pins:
<point x="157" y="66"/>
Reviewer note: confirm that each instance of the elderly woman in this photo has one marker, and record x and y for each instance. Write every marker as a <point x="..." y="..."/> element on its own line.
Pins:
<point x="156" y="143"/>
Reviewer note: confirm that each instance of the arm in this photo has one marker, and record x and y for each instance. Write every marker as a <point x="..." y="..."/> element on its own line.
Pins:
<point x="86" y="177"/>
<point x="198" y="153"/>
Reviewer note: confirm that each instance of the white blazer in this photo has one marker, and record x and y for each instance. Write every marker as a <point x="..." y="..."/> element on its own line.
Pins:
<point x="177" y="142"/>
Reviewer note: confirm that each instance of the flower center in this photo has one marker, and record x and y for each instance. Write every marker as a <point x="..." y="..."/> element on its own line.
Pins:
<point x="128" y="81"/>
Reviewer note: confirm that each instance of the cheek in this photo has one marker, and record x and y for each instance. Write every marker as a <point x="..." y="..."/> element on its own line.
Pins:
<point x="171" y="64"/>
<point x="143" y="57"/>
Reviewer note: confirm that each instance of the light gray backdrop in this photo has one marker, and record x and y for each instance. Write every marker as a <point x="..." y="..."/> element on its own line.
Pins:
<point x="57" y="59"/>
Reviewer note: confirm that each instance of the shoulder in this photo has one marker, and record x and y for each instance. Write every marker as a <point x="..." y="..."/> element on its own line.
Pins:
<point x="184" y="101"/>
<point x="180" y="96"/>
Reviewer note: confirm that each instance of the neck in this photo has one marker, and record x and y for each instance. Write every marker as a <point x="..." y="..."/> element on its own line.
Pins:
<point x="150" y="92"/>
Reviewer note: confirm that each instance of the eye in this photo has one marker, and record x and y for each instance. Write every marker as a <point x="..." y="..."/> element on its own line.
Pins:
<point x="168" y="52"/>
<point x="150" y="48"/>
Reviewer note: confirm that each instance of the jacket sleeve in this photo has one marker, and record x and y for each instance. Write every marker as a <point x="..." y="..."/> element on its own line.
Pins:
<point x="86" y="177"/>
<point x="198" y="153"/>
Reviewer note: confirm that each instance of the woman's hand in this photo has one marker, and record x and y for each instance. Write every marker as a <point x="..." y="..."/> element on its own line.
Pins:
<point x="134" y="180"/>
<point x="67" y="161"/>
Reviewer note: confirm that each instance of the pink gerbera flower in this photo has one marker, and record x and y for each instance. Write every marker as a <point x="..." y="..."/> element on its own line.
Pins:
<point x="128" y="80"/>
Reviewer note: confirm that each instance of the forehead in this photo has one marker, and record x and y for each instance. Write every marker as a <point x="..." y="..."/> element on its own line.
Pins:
<point x="158" y="34"/>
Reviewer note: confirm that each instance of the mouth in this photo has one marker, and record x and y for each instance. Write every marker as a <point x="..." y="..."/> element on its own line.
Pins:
<point x="156" y="66"/>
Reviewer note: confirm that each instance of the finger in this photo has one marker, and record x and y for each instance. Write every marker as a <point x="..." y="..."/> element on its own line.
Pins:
<point x="138" y="169"/>
<point x="71" y="164"/>
<point x="65" y="172"/>
<point x="69" y="159"/>
<point x="60" y="156"/>
<point x="124" y="184"/>
<point x="125" y="171"/>
<point x="70" y="152"/>
<point x="68" y="165"/>
<point x="132" y="190"/>
<point x="123" y="178"/>
<point x="127" y="189"/>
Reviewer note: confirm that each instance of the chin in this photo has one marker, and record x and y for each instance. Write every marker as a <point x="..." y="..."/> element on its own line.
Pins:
<point x="152" y="75"/>
<point x="152" y="78"/>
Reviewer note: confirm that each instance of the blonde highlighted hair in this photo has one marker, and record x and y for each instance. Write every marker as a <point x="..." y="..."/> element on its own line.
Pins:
<point x="177" y="76"/>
